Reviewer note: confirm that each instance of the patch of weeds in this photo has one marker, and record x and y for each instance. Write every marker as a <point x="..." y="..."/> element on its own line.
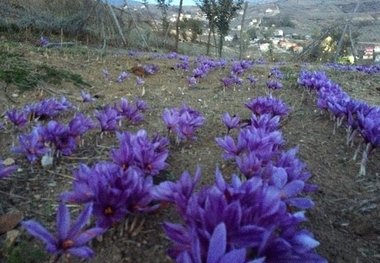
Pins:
<point x="16" y="70"/>
<point x="24" y="252"/>
<point x="289" y="73"/>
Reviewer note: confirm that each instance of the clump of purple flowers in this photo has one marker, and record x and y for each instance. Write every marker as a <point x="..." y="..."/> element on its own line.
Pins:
<point x="184" y="122"/>
<point x="262" y="105"/>
<point x="360" y="117"/>
<point x="49" y="108"/>
<point x="150" y="69"/>
<point x="139" y="152"/>
<point x="131" y="111"/>
<point x="113" y="191"/>
<point x="69" y="239"/>
<point x="18" y="117"/>
<point x="32" y="145"/>
<point x="122" y="77"/>
<point x="236" y="222"/>
<point x="275" y="77"/>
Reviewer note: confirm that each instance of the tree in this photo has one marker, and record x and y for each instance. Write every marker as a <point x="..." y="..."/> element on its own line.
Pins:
<point x="193" y="25"/>
<point x="226" y="10"/>
<point x="177" y="25"/>
<point x="252" y="34"/>
<point x="164" y="5"/>
<point x="208" y="7"/>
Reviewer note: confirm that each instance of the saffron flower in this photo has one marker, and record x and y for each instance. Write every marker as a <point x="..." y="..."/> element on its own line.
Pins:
<point x="139" y="81"/>
<point x="248" y="215"/>
<point x="141" y="153"/>
<point x="122" y="77"/>
<point x="192" y="81"/>
<point x="80" y="124"/>
<point x="131" y="112"/>
<point x="106" y="74"/>
<point x="252" y="80"/>
<point x="270" y="105"/>
<point x="114" y="192"/>
<point x="58" y="135"/>
<point x="49" y="108"/>
<point x="230" y="122"/>
<point x="18" y="118"/>
<point x="150" y="69"/>
<point x="183" y="122"/>
<point x="86" y="97"/>
<point x="6" y="170"/>
<point x="43" y="42"/>
<point x="32" y="145"/>
<point x="69" y="239"/>
<point x="274" y="84"/>
<point x="276" y="73"/>
<point x="108" y="118"/>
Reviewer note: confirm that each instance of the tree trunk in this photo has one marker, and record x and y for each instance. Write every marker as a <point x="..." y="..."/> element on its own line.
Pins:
<point x="208" y="41"/>
<point x="221" y="37"/>
<point x="117" y="24"/>
<point x="177" y="26"/>
<point x="241" y="48"/>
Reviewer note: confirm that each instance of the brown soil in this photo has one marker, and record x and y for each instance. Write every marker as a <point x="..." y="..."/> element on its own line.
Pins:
<point x="345" y="219"/>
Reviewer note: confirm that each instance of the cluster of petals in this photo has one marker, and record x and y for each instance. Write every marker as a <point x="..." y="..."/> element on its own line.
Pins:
<point x="242" y="221"/>
<point x="44" y="109"/>
<point x="184" y="121"/>
<point x="269" y="105"/>
<point x="53" y="137"/>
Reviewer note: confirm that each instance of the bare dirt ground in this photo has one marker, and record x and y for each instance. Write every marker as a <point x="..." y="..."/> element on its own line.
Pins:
<point x="345" y="219"/>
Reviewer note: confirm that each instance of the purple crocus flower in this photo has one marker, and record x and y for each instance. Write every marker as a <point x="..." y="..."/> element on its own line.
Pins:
<point x="106" y="74"/>
<point x="192" y="81"/>
<point x="227" y="82"/>
<point x="80" y="124"/>
<point x="252" y="80"/>
<point x="276" y="73"/>
<point x="150" y="69"/>
<point x="274" y="84"/>
<point x="49" y="108"/>
<point x="261" y="105"/>
<point x="59" y="135"/>
<point x="170" y="118"/>
<point x="230" y="122"/>
<point x="32" y="145"/>
<point x="248" y="215"/>
<point x="178" y="192"/>
<point x="114" y="192"/>
<point x="149" y="157"/>
<point x="141" y="105"/>
<point x="131" y="112"/>
<point x="86" y="97"/>
<point x="69" y="239"/>
<point x="43" y="42"/>
<point x="122" y="77"/>
<point x="6" y="170"/>
<point x="18" y="118"/>
<point x="108" y="118"/>
<point x="139" y="81"/>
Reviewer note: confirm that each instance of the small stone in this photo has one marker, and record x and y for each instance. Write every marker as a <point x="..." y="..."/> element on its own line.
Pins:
<point x="11" y="237"/>
<point x="37" y="197"/>
<point x="14" y="95"/>
<point x="10" y="220"/>
<point x="8" y="162"/>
